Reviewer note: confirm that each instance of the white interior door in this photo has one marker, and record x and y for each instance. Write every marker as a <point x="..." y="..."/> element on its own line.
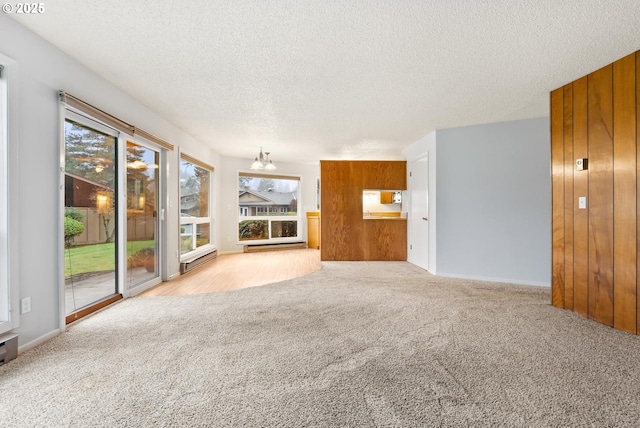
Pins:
<point x="419" y="219"/>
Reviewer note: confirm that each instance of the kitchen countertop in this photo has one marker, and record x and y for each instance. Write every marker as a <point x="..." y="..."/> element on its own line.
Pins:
<point x="384" y="216"/>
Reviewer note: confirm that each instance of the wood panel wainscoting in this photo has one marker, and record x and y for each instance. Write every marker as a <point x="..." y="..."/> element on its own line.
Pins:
<point x="595" y="257"/>
<point x="341" y="210"/>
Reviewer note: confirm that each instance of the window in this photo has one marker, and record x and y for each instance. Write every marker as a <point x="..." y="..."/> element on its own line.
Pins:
<point x="195" y="201"/>
<point x="5" y="302"/>
<point x="268" y="206"/>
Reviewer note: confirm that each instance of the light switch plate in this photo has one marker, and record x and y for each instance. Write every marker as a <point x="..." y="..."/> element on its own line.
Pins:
<point x="25" y="305"/>
<point x="582" y="202"/>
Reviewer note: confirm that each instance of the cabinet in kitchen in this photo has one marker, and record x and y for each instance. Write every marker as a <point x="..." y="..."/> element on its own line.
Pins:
<point x="385" y="239"/>
<point x="386" y="197"/>
<point x="313" y="229"/>
<point x="346" y="234"/>
<point x="384" y="175"/>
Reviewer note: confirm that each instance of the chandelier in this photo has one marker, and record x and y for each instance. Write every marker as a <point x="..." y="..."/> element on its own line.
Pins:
<point x="262" y="162"/>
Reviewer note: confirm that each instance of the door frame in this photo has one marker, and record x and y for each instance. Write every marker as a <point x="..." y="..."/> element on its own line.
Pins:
<point x="161" y="208"/>
<point x="67" y="112"/>
<point x="425" y="264"/>
<point x="121" y="289"/>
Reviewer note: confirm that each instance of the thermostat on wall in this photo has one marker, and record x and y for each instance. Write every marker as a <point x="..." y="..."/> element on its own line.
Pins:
<point x="581" y="164"/>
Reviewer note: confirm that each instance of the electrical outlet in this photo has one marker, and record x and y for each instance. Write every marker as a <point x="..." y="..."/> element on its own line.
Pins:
<point x="25" y="305"/>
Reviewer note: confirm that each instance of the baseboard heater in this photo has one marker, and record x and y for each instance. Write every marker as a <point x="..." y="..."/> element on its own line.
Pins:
<point x="191" y="264"/>
<point x="272" y="247"/>
<point x="8" y="348"/>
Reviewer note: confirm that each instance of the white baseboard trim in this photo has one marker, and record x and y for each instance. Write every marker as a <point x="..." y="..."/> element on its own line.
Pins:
<point x="38" y="341"/>
<point x="501" y="280"/>
<point x="431" y="271"/>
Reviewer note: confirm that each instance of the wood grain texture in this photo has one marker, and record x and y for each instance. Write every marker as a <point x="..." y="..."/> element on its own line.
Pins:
<point x="386" y="197"/>
<point x="580" y="188"/>
<point x="341" y="210"/>
<point x="557" y="199"/>
<point x="230" y="272"/>
<point x="330" y="179"/>
<point x="624" y="195"/>
<point x="600" y="245"/>
<point x="638" y="185"/>
<point x="384" y="175"/>
<point x="94" y="307"/>
<point x="385" y="240"/>
<point x="313" y="229"/>
<point x="354" y="208"/>
<point x="600" y="122"/>
<point x="332" y="175"/>
<point x="569" y="168"/>
<point x="342" y="225"/>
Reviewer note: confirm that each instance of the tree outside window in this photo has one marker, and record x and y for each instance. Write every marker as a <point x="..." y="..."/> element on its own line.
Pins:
<point x="195" y="219"/>
<point x="268" y="207"/>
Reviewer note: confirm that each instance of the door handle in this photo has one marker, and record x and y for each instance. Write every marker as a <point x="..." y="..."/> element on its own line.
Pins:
<point x="424" y="218"/>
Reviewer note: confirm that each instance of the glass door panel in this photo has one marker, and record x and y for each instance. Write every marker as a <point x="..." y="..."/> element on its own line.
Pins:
<point x="90" y="233"/>
<point x="142" y="214"/>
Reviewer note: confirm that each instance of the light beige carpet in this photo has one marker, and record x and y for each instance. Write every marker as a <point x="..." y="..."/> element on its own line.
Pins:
<point x="365" y="344"/>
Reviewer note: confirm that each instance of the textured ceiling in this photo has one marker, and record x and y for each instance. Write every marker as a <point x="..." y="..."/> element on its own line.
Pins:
<point x="338" y="79"/>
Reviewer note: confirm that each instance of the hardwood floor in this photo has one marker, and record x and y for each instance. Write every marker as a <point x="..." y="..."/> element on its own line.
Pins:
<point x="235" y="271"/>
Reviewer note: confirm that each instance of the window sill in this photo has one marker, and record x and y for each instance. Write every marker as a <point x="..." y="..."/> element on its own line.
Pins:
<point x="198" y="252"/>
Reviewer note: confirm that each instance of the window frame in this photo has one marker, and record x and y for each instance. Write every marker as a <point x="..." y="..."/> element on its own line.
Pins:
<point x="72" y="114"/>
<point x="160" y="249"/>
<point x="9" y="215"/>
<point x="210" y="219"/>
<point x="266" y="214"/>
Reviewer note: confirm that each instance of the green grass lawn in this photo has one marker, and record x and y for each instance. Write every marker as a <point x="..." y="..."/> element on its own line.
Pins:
<point x="97" y="257"/>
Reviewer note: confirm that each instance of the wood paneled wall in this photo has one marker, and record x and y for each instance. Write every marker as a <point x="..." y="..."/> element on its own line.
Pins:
<point x="595" y="257"/>
<point x="345" y="235"/>
<point x="341" y="210"/>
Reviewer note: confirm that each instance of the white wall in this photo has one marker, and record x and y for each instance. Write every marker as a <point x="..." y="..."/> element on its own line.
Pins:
<point x="42" y="70"/>
<point x="493" y="201"/>
<point x="228" y="197"/>
<point x="491" y="212"/>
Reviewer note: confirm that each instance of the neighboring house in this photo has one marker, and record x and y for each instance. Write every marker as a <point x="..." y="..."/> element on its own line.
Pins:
<point x="256" y="203"/>
<point x="81" y="195"/>
<point x="189" y="203"/>
<point x="497" y="171"/>
<point x="81" y="192"/>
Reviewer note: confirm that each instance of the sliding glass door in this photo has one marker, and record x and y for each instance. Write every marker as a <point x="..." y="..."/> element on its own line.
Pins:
<point x="143" y="189"/>
<point x="90" y="219"/>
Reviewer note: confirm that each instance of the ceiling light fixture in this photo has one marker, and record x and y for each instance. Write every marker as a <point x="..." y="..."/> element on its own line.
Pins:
<point x="262" y="162"/>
